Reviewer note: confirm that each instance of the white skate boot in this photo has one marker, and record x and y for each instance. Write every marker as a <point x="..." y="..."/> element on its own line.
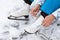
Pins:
<point x="35" y="26"/>
<point x="21" y="13"/>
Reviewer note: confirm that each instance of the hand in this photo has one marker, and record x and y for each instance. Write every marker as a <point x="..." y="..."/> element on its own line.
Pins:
<point x="48" y="20"/>
<point x="35" y="10"/>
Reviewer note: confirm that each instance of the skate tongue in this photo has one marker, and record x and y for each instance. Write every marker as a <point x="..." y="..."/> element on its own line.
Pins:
<point x="22" y="18"/>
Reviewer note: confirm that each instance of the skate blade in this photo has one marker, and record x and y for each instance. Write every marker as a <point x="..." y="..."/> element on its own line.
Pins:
<point x="22" y="18"/>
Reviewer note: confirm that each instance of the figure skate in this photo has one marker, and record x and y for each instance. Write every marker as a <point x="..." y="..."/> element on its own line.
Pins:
<point x="35" y="26"/>
<point x="20" y="14"/>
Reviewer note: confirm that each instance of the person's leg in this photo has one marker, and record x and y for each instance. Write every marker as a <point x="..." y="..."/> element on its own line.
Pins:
<point x="32" y="0"/>
<point x="44" y="14"/>
<point x="29" y="1"/>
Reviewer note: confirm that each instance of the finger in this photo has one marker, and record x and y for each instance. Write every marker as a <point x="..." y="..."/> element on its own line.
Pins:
<point x="37" y="10"/>
<point x="34" y="14"/>
<point x="47" y="24"/>
<point x="31" y="12"/>
<point x="44" y="23"/>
